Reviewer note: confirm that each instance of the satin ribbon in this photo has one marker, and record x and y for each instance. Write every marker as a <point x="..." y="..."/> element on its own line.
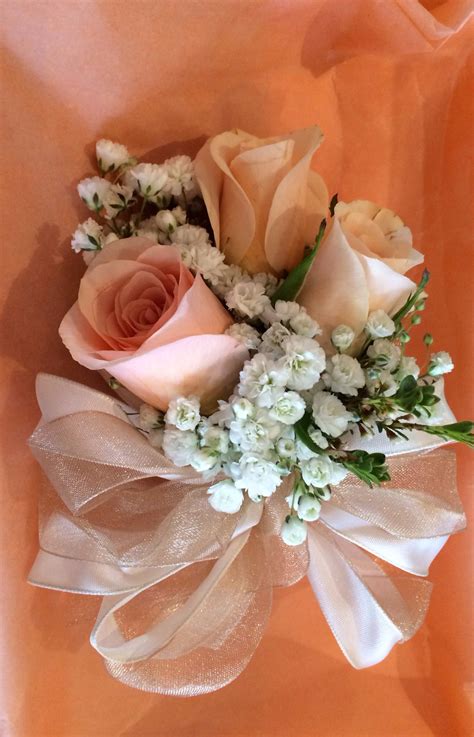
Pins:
<point x="187" y="591"/>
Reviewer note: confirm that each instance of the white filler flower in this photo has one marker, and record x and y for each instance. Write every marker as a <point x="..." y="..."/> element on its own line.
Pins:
<point x="179" y="446"/>
<point x="183" y="413"/>
<point x="440" y="363"/>
<point x="149" y="179"/>
<point x="288" y="409"/>
<point x="330" y="414"/>
<point x="293" y="531"/>
<point x="245" y="334"/>
<point x="259" y="476"/>
<point x="248" y="298"/>
<point x="308" y="507"/>
<point x="88" y="236"/>
<point x="379" y="325"/>
<point x="111" y="156"/>
<point x="344" y="375"/>
<point x="384" y="354"/>
<point x="342" y="337"/>
<point x="304" y="360"/>
<point x="94" y="192"/>
<point x="225" y="497"/>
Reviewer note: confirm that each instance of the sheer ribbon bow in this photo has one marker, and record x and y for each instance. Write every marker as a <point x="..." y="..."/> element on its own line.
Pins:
<point x="187" y="591"/>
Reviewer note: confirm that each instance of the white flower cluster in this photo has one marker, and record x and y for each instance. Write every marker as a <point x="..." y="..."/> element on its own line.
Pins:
<point x="112" y="199"/>
<point x="250" y="443"/>
<point x="295" y="405"/>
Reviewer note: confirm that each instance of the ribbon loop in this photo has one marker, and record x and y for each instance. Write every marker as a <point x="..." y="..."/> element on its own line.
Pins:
<point x="187" y="591"/>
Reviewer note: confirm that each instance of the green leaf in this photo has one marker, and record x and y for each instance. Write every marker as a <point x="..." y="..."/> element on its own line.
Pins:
<point x="460" y="432"/>
<point x="292" y="285"/>
<point x="398" y="316"/>
<point x="301" y="430"/>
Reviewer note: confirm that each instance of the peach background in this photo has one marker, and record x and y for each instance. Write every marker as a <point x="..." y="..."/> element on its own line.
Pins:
<point x="389" y="83"/>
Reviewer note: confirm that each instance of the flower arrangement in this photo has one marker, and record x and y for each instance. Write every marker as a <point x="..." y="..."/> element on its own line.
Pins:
<point x="257" y="334"/>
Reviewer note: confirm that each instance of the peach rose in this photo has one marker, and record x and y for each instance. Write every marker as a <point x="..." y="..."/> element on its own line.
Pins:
<point x="264" y="202"/>
<point x="359" y="267"/>
<point x="144" y="318"/>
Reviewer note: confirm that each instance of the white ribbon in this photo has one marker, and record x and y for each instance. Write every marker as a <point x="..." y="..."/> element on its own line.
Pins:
<point x="367" y="610"/>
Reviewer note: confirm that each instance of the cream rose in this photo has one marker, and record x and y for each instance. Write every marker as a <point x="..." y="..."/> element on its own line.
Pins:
<point x="264" y="202"/>
<point x="144" y="318"/>
<point x="360" y="267"/>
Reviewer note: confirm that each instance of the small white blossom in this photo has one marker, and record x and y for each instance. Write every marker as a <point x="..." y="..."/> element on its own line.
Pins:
<point x="118" y="198"/>
<point x="342" y="337"/>
<point x="288" y="409"/>
<point x="89" y="236"/>
<point x="248" y="298"/>
<point x="286" y="448"/>
<point x="285" y="311"/>
<point x="242" y="408"/>
<point x="304" y="360"/>
<point x="379" y="325"/>
<point x="111" y="156"/>
<point x="179" y="446"/>
<point x="330" y="414"/>
<point x="317" y="471"/>
<point x="191" y="235"/>
<point x="183" y="413"/>
<point x="384" y="354"/>
<point x="231" y="276"/>
<point x="262" y="380"/>
<point x="259" y="476"/>
<point x="308" y="508"/>
<point x="440" y="363"/>
<point x="148" y="229"/>
<point x="303" y="324"/>
<point x="408" y="367"/>
<point x="149" y="179"/>
<point x="214" y="437"/>
<point x="245" y="334"/>
<point x="318" y="438"/>
<point x="382" y="382"/>
<point x="225" y="497"/>
<point x="344" y="374"/>
<point x="204" y="460"/>
<point x="269" y="281"/>
<point x="166" y="221"/>
<point x="272" y="340"/>
<point x="149" y="417"/>
<point x="293" y="531"/>
<point x="258" y="432"/>
<point x="180" y="171"/>
<point x="94" y="192"/>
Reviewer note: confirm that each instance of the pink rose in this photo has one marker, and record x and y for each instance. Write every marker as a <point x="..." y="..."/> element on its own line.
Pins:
<point x="144" y="318"/>
<point x="264" y="201"/>
<point x="360" y="267"/>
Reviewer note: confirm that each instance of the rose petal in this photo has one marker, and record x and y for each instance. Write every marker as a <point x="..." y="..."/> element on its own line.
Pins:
<point x="291" y="225"/>
<point x="229" y="209"/>
<point x="259" y="171"/>
<point x="335" y="290"/>
<point x="204" y="365"/>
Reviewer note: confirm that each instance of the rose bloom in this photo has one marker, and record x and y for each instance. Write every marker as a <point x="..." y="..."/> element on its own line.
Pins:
<point x="143" y="317"/>
<point x="264" y="202"/>
<point x="360" y="267"/>
<point x="265" y="205"/>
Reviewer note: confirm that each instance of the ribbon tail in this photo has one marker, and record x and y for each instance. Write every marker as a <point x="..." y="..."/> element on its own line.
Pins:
<point x="368" y="611"/>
